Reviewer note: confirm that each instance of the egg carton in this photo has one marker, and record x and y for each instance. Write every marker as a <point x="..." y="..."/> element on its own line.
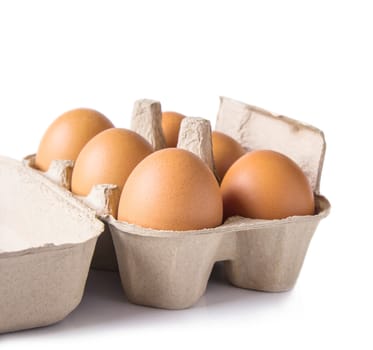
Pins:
<point x="170" y="269"/>
<point x="47" y="239"/>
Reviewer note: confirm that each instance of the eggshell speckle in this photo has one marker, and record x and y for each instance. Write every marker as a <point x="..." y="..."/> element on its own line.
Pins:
<point x="108" y="158"/>
<point x="68" y="134"/>
<point x="226" y="151"/>
<point x="172" y="189"/>
<point x="266" y="185"/>
<point x="171" y="126"/>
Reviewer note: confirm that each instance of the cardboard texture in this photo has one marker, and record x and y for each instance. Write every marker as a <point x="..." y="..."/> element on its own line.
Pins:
<point x="103" y="198"/>
<point x="147" y="122"/>
<point x="195" y="137"/>
<point x="47" y="238"/>
<point x="170" y="269"/>
<point x="59" y="171"/>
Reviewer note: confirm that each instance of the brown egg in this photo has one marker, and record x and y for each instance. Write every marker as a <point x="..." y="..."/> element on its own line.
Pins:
<point x="68" y="134"/>
<point x="171" y="125"/>
<point x="266" y="185"/>
<point x="172" y="189"/>
<point x="226" y="151"/>
<point x="108" y="158"/>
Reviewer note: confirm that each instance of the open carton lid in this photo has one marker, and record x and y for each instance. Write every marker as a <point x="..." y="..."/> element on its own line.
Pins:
<point x="256" y="128"/>
<point x="37" y="214"/>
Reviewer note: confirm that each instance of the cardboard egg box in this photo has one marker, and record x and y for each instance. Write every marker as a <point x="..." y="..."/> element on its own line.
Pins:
<point x="170" y="269"/>
<point x="47" y="239"/>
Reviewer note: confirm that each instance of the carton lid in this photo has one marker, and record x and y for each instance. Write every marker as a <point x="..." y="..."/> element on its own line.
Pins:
<point x="36" y="213"/>
<point x="256" y="128"/>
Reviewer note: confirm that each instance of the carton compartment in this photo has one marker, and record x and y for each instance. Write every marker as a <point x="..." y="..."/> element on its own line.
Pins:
<point x="270" y="255"/>
<point x="47" y="238"/>
<point x="170" y="269"/>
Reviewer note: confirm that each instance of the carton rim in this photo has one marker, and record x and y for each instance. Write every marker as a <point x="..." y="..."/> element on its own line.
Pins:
<point x="42" y="249"/>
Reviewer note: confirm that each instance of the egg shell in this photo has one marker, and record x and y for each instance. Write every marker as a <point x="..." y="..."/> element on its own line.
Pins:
<point x="226" y="151"/>
<point x="266" y="185"/>
<point x="108" y="158"/>
<point x="67" y="135"/>
<point x="171" y="126"/>
<point x="172" y="189"/>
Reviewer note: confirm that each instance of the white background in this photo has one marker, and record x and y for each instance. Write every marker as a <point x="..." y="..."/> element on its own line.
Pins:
<point x="308" y="60"/>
